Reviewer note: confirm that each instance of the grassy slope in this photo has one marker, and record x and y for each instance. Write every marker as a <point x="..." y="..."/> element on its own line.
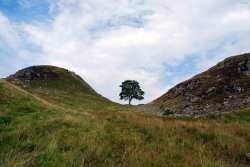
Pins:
<point x="214" y="87"/>
<point x="66" y="89"/>
<point x="34" y="132"/>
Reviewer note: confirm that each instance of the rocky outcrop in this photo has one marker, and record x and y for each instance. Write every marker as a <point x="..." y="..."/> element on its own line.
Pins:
<point x="24" y="76"/>
<point x="36" y="72"/>
<point x="223" y="87"/>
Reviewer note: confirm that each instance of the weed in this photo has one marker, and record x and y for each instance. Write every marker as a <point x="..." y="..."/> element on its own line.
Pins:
<point x="5" y="119"/>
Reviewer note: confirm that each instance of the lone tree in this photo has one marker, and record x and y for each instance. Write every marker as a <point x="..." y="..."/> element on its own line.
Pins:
<point x="131" y="90"/>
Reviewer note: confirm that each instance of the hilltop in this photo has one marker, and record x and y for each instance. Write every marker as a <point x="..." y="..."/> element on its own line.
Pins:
<point x="224" y="87"/>
<point x="59" y="86"/>
<point x="44" y="76"/>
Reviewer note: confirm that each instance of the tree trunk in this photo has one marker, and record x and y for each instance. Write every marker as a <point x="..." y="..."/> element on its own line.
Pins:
<point x="129" y="101"/>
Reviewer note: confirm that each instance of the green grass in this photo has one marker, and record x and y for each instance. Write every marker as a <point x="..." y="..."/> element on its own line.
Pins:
<point x="46" y="132"/>
<point x="67" y="90"/>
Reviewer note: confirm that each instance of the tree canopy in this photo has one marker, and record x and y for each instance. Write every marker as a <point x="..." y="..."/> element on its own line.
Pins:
<point x="131" y="90"/>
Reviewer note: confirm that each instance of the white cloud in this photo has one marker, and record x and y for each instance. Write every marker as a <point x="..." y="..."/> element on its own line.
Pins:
<point x="8" y="34"/>
<point x="108" y="42"/>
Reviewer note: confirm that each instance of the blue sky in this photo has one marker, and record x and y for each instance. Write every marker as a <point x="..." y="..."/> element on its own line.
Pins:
<point x="26" y="10"/>
<point x="159" y="43"/>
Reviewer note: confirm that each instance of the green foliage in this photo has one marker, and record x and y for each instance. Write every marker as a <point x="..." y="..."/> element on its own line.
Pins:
<point x="131" y="90"/>
<point x="5" y="119"/>
<point x="162" y="107"/>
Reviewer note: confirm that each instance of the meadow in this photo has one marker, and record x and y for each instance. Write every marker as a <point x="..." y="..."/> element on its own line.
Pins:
<point x="42" y="130"/>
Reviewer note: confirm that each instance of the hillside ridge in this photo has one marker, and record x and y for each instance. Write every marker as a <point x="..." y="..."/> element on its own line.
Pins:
<point x="42" y="72"/>
<point x="223" y="87"/>
<point x="58" y="86"/>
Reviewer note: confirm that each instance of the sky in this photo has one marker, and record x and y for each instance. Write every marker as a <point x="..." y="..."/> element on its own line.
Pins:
<point x="159" y="43"/>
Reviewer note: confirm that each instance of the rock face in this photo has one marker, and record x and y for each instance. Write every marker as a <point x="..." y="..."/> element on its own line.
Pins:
<point x="33" y="73"/>
<point x="223" y="87"/>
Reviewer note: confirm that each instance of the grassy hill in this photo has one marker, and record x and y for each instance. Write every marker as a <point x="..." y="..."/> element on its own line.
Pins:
<point x="52" y="122"/>
<point x="223" y="87"/>
<point x="59" y="86"/>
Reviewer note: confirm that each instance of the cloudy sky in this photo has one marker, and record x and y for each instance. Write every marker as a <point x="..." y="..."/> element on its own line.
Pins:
<point x="156" y="42"/>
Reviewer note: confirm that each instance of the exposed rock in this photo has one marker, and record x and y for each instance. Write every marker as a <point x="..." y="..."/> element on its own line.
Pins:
<point x="24" y="76"/>
<point x="223" y="87"/>
<point x="152" y="109"/>
<point x="35" y="72"/>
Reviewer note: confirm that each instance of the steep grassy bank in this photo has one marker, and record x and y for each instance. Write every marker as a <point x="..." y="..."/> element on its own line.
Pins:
<point x="37" y="132"/>
<point x="60" y="86"/>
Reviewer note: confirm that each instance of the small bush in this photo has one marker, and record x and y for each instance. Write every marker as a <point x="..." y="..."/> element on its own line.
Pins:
<point x="26" y="110"/>
<point x="5" y="119"/>
<point x="241" y="158"/>
<point x="213" y="116"/>
<point x="206" y="137"/>
<point x="162" y="107"/>
<point x="27" y="148"/>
